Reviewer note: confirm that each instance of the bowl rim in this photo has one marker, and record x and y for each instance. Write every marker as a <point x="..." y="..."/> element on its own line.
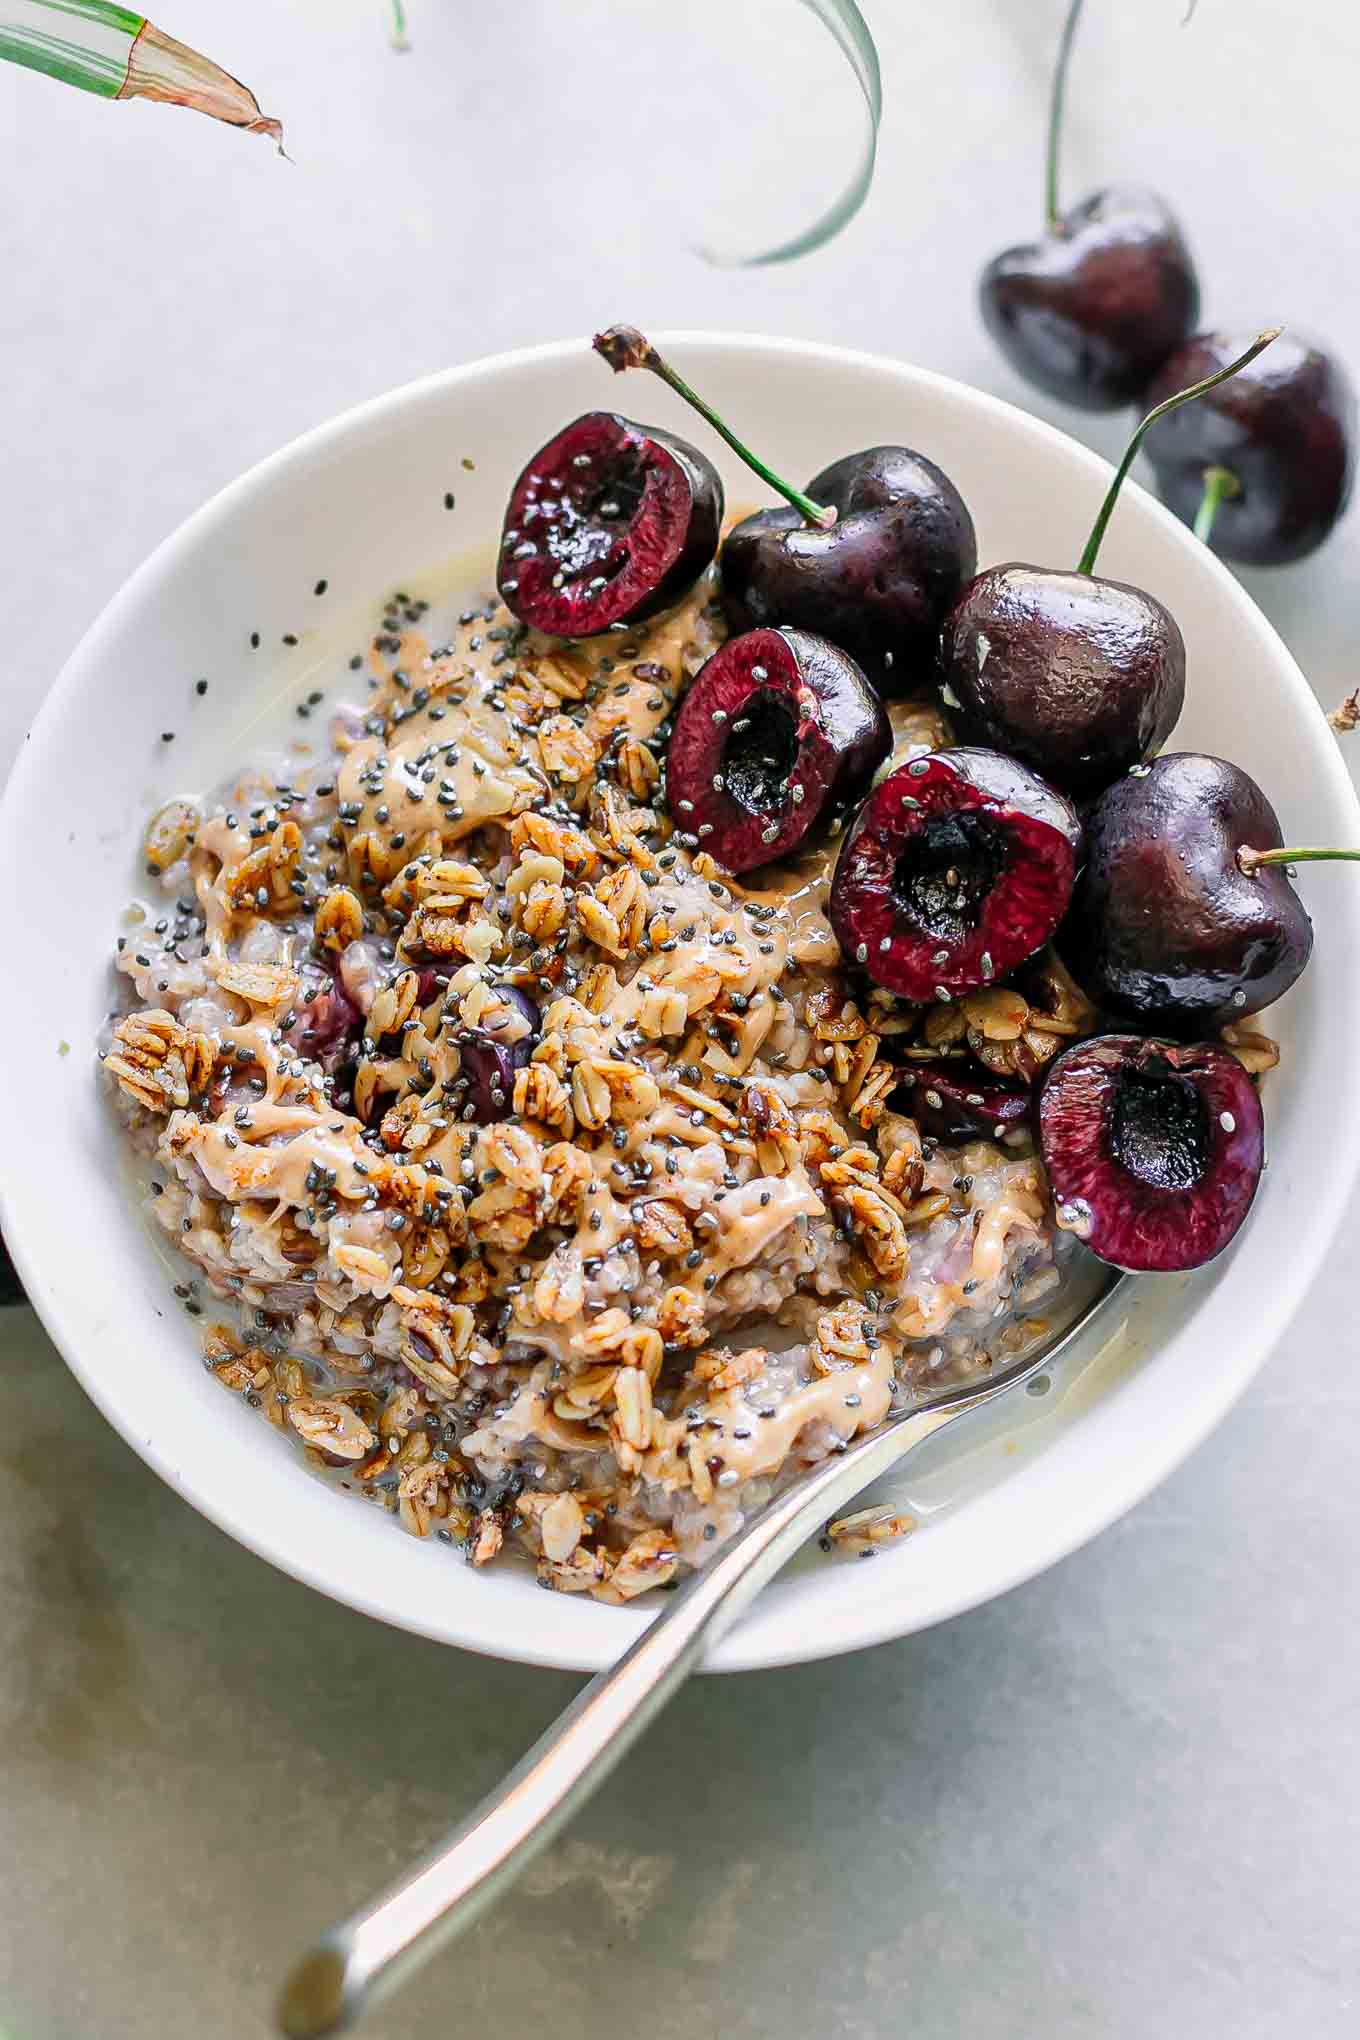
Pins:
<point x="1121" y="1487"/>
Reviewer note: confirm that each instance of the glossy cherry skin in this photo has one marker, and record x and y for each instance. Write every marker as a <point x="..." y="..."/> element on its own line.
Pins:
<point x="1165" y="925"/>
<point x="878" y="583"/>
<point x="326" y="1026"/>
<point x="1283" y="426"/>
<point x="777" y="731"/>
<point x="609" y="523"/>
<point x="957" y="868"/>
<point x="1153" y="1151"/>
<point x="1090" y="312"/>
<point x="1078" y="677"/>
<point x="486" y="1081"/>
<point x="957" y="1101"/>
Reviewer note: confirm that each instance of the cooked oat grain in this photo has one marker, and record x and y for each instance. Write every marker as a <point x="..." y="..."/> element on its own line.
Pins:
<point x="701" y="1249"/>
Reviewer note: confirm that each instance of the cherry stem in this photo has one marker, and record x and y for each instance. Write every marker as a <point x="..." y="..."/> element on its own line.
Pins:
<point x="1086" y="565"/>
<point x="1220" y="486"/>
<point x="624" y="347"/>
<point x="1252" y="860"/>
<point x="1055" y="113"/>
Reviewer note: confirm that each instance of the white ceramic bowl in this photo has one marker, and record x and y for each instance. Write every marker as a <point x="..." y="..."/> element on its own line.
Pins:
<point x="361" y="501"/>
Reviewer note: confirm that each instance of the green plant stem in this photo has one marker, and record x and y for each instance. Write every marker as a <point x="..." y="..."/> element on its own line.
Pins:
<point x="1252" y="860"/>
<point x="1086" y="565"/>
<point x="86" y="43"/>
<point x="1220" y="486"/>
<point x="624" y="347"/>
<point x="1055" y="112"/>
<point x="849" y="31"/>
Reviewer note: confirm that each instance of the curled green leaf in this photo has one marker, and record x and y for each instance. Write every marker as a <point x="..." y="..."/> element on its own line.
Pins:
<point x="105" y="49"/>
<point x="850" y="32"/>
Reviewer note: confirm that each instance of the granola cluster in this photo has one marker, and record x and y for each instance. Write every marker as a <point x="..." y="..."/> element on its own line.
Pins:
<point x="701" y="1245"/>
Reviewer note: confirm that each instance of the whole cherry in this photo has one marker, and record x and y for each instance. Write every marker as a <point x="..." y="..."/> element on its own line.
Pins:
<point x="1264" y="467"/>
<point x="1091" y="311"/>
<point x="1079" y="677"/>
<point x="1184" y="916"/>
<point x="871" y="555"/>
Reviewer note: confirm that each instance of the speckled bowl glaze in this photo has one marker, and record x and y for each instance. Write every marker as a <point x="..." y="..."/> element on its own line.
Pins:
<point x="361" y="501"/>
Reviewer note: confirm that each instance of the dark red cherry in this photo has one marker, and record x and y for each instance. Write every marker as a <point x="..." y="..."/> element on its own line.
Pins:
<point x="870" y="555"/>
<point x="326" y="1026"/>
<point x="1263" y="468"/>
<point x="956" y="1101"/>
<point x="429" y="983"/>
<point x="1153" y="1150"/>
<point x="1092" y="310"/>
<point x="488" y="1068"/>
<point x="609" y="523"/>
<point x="487" y="1074"/>
<point x="957" y="867"/>
<point x="1176" y="921"/>
<point x="1079" y="677"/>
<point x="879" y="582"/>
<point x="777" y="731"/>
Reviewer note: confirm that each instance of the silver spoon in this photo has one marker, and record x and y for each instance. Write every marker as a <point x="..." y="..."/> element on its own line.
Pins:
<point x="369" y="1954"/>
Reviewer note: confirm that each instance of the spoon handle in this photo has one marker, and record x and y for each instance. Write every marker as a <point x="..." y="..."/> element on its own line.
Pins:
<point x="371" y="1952"/>
<point x="368" y="1954"/>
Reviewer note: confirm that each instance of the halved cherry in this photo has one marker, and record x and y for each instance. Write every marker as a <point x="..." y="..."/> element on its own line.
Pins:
<point x="1153" y="1149"/>
<point x="957" y="1101"/>
<point x="958" y="867"/>
<point x="778" y="730"/>
<point x="609" y="523"/>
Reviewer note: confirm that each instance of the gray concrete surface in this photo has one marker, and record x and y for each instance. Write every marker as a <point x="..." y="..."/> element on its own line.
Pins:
<point x="1122" y="1801"/>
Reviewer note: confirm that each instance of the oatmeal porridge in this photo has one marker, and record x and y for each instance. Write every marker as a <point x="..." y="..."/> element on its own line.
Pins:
<point x="548" y="1186"/>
